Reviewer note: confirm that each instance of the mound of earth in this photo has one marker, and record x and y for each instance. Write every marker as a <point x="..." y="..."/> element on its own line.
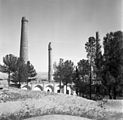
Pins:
<point x="57" y="117"/>
<point x="16" y="104"/>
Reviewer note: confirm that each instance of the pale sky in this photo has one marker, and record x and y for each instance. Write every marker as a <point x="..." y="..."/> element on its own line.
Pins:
<point x="66" y="23"/>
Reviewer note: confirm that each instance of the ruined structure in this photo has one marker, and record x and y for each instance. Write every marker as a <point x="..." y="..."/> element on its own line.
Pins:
<point x="97" y="35"/>
<point x="48" y="86"/>
<point x="49" y="62"/>
<point x="24" y="40"/>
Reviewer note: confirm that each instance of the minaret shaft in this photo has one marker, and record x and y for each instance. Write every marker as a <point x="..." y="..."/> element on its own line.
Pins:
<point x="97" y="35"/>
<point x="49" y="62"/>
<point x="24" y="40"/>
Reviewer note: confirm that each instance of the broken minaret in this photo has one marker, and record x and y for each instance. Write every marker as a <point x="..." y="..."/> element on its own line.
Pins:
<point x="49" y="62"/>
<point x="24" y="40"/>
<point x="97" y="35"/>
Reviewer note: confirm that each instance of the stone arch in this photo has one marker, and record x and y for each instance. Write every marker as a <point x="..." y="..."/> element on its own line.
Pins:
<point x="58" y="88"/>
<point x="26" y="87"/>
<point x="49" y="88"/>
<point x="38" y="88"/>
<point x="68" y="90"/>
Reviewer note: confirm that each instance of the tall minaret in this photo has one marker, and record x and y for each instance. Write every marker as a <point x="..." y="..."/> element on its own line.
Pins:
<point x="49" y="62"/>
<point x="24" y="40"/>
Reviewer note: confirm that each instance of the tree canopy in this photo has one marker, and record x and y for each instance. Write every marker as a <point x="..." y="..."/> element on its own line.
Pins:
<point x="64" y="72"/>
<point x="17" y="70"/>
<point x="112" y="67"/>
<point x="10" y="65"/>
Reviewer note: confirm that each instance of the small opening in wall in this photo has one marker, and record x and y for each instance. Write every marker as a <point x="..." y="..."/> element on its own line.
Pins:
<point x="48" y="90"/>
<point x="67" y="91"/>
<point x="58" y="91"/>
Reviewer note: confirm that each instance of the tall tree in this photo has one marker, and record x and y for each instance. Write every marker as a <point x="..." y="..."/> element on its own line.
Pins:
<point x="98" y="64"/>
<point x="83" y="68"/>
<point x="58" y="74"/>
<point x="113" y="64"/>
<point x="63" y="72"/>
<point x="17" y="70"/>
<point x="10" y="65"/>
<point x="80" y="82"/>
<point x="31" y="72"/>
<point x="77" y="81"/>
<point x="82" y="74"/>
<point x="24" y="73"/>
<point x="90" y="49"/>
<point x="68" y="70"/>
<point x="98" y="56"/>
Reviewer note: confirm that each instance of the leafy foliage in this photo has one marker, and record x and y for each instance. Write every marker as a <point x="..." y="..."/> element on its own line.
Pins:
<point x="68" y="68"/>
<point x="112" y="69"/>
<point x="64" y="72"/>
<point x="10" y="65"/>
<point x="83" y="68"/>
<point x="58" y="74"/>
<point x="25" y="73"/>
<point x="80" y="81"/>
<point x="90" y="47"/>
<point x="17" y="70"/>
<point x="31" y="71"/>
<point x="98" y="58"/>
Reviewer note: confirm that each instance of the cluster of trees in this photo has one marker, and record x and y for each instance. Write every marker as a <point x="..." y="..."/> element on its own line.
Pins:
<point x="18" y="71"/>
<point x="63" y="73"/>
<point x="112" y="72"/>
<point x="101" y="74"/>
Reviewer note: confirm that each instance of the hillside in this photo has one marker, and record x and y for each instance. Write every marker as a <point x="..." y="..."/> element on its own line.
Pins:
<point x="16" y="104"/>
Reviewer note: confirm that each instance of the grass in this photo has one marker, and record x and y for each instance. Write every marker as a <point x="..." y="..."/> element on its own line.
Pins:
<point x="16" y="104"/>
<point x="57" y="117"/>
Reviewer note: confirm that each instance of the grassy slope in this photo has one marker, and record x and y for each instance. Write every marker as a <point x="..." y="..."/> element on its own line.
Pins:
<point x="57" y="117"/>
<point x="20" y="104"/>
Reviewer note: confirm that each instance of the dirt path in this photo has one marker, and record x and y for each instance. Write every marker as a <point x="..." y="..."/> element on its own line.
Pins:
<point x="57" y="117"/>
